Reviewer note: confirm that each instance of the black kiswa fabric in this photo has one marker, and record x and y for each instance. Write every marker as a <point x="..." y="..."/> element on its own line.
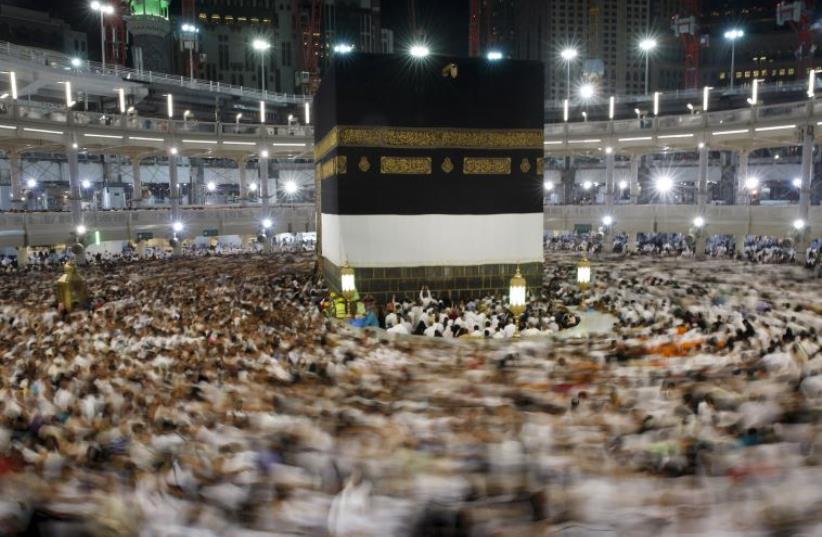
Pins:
<point x="363" y="193"/>
<point x="399" y="91"/>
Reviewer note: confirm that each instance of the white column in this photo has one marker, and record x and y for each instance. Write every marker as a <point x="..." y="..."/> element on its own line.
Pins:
<point x="74" y="185"/>
<point x="241" y="164"/>
<point x="610" y="162"/>
<point x="16" y="181"/>
<point x="702" y="179"/>
<point x="22" y="256"/>
<point x="136" y="182"/>
<point x="263" y="163"/>
<point x="742" y="196"/>
<point x="174" y="193"/>
<point x="805" y="190"/>
<point x="173" y="187"/>
<point x="634" y="180"/>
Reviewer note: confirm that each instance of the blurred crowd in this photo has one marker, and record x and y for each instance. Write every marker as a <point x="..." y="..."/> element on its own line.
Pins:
<point x="210" y="396"/>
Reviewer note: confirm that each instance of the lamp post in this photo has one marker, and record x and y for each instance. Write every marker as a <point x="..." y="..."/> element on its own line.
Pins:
<point x="647" y="46"/>
<point x="584" y="273"/>
<point x="516" y="297"/>
<point x="568" y="55"/>
<point x="190" y="32"/>
<point x="348" y="286"/>
<point x="261" y="46"/>
<point x="103" y="9"/>
<point x="732" y="35"/>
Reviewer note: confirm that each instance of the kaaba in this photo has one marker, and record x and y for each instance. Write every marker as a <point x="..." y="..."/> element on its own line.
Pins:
<point x="429" y="172"/>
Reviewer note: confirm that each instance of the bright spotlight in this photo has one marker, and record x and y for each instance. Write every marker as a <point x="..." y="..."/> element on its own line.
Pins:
<point x="734" y="34"/>
<point x="664" y="184"/>
<point x="797" y="182"/>
<point x="751" y="183"/>
<point x="76" y="62"/>
<point x="799" y="224"/>
<point x="587" y="185"/>
<point x="569" y="54"/>
<point x="31" y="183"/>
<point x="607" y="220"/>
<point x="494" y="55"/>
<point x="252" y="187"/>
<point x="267" y="223"/>
<point x="177" y="227"/>
<point x="647" y="45"/>
<point x="699" y="222"/>
<point x="549" y="186"/>
<point x="211" y="186"/>
<point x="260" y="45"/>
<point x="623" y="184"/>
<point x="80" y="230"/>
<point x="264" y="153"/>
<point x="343" y="48"/>
<point x="173" y="151"/>
<point x="419" y="51"/>
<point x="587" y="91"/>
<point x="291" y="187"/>
<point x="86" y="183"/>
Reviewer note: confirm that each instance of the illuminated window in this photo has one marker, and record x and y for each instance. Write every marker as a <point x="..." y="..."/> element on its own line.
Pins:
<point x="203" y="16"/>
<point x="255" y="20"/>
<point x="755" y="73"/>
<point x="267" y="21"/>
<point x="781" y="72"/>
<point x="241" y="19"/>
<point x="722" y="76"/>
<point x="215" y="17"/>
<point x="229" y="18"/>
<point x="791" y="71"/>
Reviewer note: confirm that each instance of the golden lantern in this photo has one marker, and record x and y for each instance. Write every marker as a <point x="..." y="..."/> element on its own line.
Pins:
<point x="584" y="273"/>
<point x="348" y="284"/>
<point x="516" y="294"/>
<point x="70" y="288"/>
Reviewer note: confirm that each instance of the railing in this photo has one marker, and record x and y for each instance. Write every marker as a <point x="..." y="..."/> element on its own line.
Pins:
<point x="63" y="62"/>
<point x="44" y="114"/>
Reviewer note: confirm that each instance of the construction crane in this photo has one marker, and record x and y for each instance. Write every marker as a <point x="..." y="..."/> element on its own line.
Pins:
<point x="686" y="28"/>
<point x="474" y="32"/>
<point x="797" y="14"/>
<point x="310" y="18"/>
<point x="116" y="36"/>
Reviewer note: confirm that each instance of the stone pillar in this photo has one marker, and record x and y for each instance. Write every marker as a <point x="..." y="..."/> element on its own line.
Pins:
<point x="631" y="246"/>
<point x="702" y="179"/>
<point x="22" y="256"/>
<point x="136" y="182"/>
<point x="264" y="197"/>
<point x="74" y="185"/>
<point x="805" y="191"/>
<point x="634" y="180"/>
<point x="739" y="240"/>
<point x="265" y="212"/>
<point x="241" y="165"/>
<point x="610" y="162"/>
<point x="568" y="182"/>
<point x="174" y="195"/>
<point x="742" y="195"/>
<point x="141" y="248"/>
<point x="16" y="180"/>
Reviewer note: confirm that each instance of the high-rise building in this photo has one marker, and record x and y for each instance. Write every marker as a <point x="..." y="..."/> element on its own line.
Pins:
<point x="228" y="29"/>
<point x="777" y="45"/>
<point x="27" y="27"/>
<point x="605" y="34"/>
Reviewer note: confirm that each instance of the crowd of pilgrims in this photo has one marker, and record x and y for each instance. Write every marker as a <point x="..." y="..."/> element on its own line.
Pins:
<point x="210" y="396"/>
<point x="757" y="249"/>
